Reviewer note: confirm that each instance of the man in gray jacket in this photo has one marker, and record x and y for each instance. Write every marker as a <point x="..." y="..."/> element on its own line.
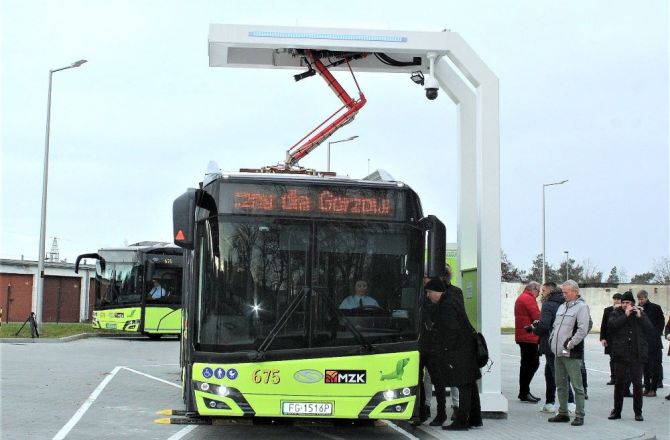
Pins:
<point x="567" y="343"/>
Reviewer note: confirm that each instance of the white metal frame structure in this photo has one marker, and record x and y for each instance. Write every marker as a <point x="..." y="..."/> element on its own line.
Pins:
<point x="468" y="82"/>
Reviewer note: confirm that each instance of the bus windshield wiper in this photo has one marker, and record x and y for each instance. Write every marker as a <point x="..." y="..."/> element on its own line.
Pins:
<point x="113" y="288"/>
<point x="365" y="344"/>
<point x="292" y="307"/>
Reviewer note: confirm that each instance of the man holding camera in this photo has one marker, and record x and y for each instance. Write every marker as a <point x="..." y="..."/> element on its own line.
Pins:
<point x="628" y="327"/>
<point x="526" y="312"/>
<point x="567" y="343"/>
<point x="616" y="302"/>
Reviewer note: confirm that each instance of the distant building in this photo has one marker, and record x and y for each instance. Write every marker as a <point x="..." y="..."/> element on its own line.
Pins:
<point x="68" y="296"/>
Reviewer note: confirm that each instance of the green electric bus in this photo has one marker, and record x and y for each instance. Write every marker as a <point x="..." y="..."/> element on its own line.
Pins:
<point x="272" y="327"/>
<point x="138" y="288"/>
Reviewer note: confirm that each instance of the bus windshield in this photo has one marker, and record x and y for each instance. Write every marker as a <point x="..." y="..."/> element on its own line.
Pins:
<point x="118" y="285"/>
<point x="331" y="275"/>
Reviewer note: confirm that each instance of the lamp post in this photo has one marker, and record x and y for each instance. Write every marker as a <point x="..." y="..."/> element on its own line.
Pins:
<point x="43" y="219"/>
<point x="567" y="265"/>
<point x="544" y="186"/>
<point x="335" y="142"/>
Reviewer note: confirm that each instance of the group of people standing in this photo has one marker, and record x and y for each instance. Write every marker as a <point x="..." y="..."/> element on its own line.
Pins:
<point x="447" y="348"/>
<point x="629" y="333"/>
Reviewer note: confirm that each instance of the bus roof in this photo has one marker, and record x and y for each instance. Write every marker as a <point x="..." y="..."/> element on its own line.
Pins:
<point x="378" y="179"/>
<point x="145" y="246"/>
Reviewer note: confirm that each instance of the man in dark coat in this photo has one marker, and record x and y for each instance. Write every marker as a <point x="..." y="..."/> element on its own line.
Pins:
<point x="431" y="349"/>
<point x="454" y="361"/>
<point x="616" y="302"/>
<point x="553" y="298"/>
<point x="654" y="366"/>
<point x="627" y="328"/>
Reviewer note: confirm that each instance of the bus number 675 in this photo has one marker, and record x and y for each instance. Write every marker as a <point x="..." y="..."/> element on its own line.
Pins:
<point x="266" y="376"/>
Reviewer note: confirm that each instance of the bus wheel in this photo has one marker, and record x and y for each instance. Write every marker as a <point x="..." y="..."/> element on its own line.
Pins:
<point x="154" y="336"/>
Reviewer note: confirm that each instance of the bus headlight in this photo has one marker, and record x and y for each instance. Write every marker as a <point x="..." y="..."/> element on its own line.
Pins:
<point x="222" y="391"/>
<point x="389" y="394"/>
<point x="406" y="391"/>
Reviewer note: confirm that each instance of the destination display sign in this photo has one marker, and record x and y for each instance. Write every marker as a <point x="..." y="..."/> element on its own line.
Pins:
<point x="310" y="201"/>
<point x="167" y="260"/>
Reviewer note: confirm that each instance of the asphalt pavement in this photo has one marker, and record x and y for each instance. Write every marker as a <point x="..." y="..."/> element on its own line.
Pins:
<point x="107" y="388"/>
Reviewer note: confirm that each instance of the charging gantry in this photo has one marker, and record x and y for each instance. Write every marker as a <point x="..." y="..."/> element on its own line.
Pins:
<point x="452" y="66"/>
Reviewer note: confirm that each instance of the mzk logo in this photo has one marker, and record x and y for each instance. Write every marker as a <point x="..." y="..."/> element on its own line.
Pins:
<point x="345" y="376"/>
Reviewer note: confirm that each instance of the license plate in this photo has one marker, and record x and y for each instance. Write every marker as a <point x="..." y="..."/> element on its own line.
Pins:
<point x="112" y="325"/>
<point x="307" y="408"/>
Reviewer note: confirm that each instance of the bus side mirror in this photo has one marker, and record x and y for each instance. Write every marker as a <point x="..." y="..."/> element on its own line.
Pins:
<point x="183" y="219"/>
<point x="437" y="246"/>
<point x="95" y="256"/>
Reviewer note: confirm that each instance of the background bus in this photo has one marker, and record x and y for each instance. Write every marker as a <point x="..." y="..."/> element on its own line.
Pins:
<point x="138" y="288"/>
<point x="270" y="262"/>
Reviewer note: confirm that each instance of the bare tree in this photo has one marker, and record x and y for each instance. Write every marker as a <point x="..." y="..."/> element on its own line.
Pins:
<point x="591" y="272"/>
<point x="661" y="268"/>
<point x="623" y="275"/>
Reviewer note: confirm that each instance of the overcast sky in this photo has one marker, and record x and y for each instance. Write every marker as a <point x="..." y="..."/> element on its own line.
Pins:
<point x="583" y="96"/>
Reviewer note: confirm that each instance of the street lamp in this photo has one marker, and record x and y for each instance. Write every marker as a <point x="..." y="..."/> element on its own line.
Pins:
<point x="567" y="265"/>
<point x="544" y="186"/>
<point x="335" y="142"/>
<point x="43" y="222"/>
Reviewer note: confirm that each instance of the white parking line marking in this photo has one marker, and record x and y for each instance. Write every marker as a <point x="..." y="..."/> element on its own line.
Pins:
<point x="65" y="430"/>
<point x="182" y="433"/>
<point x="152" y="377"/>
<point x="402" y="431"/>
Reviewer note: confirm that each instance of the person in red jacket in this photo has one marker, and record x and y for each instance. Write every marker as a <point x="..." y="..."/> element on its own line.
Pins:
<point x="526" y="312"/>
